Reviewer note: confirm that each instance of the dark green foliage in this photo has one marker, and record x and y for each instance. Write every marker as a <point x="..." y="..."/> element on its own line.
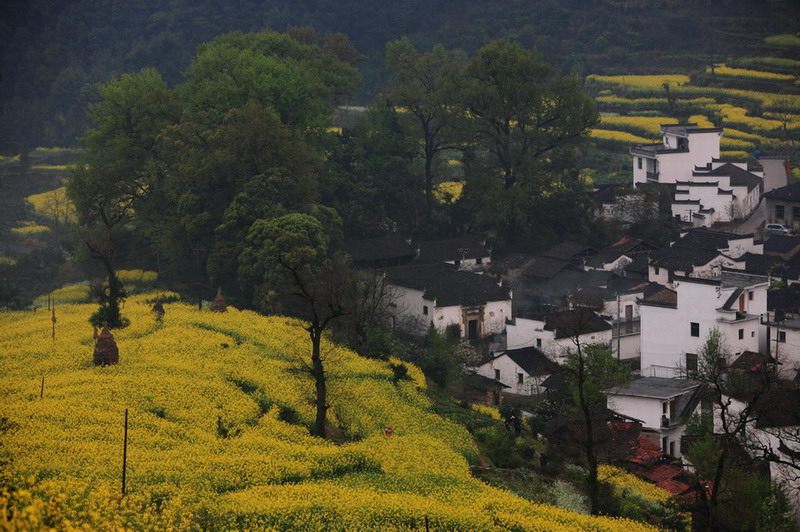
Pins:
<point x="399" y="373"/>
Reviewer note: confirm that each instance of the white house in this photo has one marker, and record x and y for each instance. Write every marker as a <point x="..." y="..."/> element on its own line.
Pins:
<point x="783" y="339"/>
<point x="555" y="334"/>
<point x="674" y="158"/>
<point x="663" y="405"/>
<point x="675" y="329"/>
<point x="522" y="370"/>
<point x="706" y="189"/>
<point x="440" y="296"/>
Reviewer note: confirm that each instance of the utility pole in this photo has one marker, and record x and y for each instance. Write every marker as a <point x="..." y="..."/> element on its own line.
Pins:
<point x="619" y="330"/>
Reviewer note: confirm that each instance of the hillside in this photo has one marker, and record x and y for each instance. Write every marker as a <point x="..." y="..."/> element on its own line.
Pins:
<point x="218" y="435"/>
<point x="53" y="55"/>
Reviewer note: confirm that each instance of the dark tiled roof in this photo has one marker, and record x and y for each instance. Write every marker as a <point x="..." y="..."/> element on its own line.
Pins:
<point x="787" y="193"/>
<point x="682" y="258"/>
<point x="738" y="176"/>
<point x="707" y="239"/>
<point x="750" y="361"/>
<point x="568" y="323"/>
<point x="530" y="359"/>
<point x="448" y="286"/>
<point x="480" y="382"/>
<point x="663" y="297"/>
<point x="547" y="268"/>
<point x="758" y="264"/>
<point x="379" y="249"/>
<point x="685" y="129"/>
<point x="465" y="247"/>
<point x="781" y="244"/>
<point x="655" y="387"/>
<point x="570" y="251"/>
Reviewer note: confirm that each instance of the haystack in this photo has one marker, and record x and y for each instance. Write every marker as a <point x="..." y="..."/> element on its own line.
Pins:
<point x="106" y="351"/>
<point x="219" y="304"/>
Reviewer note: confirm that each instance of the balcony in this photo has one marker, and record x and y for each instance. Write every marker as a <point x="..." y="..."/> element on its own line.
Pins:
<point x="626" y="328"/>
<point x="652" y="177"/>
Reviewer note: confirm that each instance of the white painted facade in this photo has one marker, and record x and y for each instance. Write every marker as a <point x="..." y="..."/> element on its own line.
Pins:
<point x="415" y="314"/>
<point x="668" y="334"/>
<point x="505" y="370"/>
<point x="525" y="332"/>
<point x="650" y="411"/>
<point x="675" y="166"/>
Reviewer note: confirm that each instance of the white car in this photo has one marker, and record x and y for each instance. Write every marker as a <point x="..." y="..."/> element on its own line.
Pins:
<point x="778" y="229"/>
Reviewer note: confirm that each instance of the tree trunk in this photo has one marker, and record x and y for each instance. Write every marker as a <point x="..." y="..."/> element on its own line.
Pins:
<point x="321" y="386"/>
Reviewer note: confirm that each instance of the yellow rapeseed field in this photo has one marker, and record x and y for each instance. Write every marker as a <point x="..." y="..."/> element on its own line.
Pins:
<point x="218" y="439"/>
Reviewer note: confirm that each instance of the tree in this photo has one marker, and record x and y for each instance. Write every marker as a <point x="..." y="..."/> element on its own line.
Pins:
<point x="116" y="177"/>
<point x="425" y="85"/>
<point x="288" y="259"/>
<point x="736" y="398"/>
<point x="590" y="369"/>
<point x="521" y="110"/>
<point x="299" y="81"/>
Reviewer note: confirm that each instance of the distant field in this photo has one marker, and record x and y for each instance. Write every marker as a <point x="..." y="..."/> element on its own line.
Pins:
<point x="633" y="107"/>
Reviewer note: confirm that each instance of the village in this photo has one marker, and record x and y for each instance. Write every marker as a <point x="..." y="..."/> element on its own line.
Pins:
<point x="653" y="308"/>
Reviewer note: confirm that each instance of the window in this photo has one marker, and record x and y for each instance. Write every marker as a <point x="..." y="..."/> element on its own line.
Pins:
<point x="691" y="362"/>
<point x="538" y="342"/>
<point x="741" y="334"/>
<point x="750" y="295"/>
<point x="479" y="260"/>
<point x="639" y="161"/>
<point x="795" y="213"/>
<point x="694" y="329"/>
<point x="672" y="448"/>
<point x="657" y="270"/>
<point x="752" y="334"/>
<point x="782" y="336"/>
<point x="779" y="212"/>
<point x="664" y="408"/>
<point x="424" y="310"/>
<point x="458" y="263"/>
<point x="497" y="374"/>
<point x="519" y="378"/>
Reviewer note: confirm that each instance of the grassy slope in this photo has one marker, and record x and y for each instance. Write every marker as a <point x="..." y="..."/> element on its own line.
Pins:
<point x="201" y="375"/>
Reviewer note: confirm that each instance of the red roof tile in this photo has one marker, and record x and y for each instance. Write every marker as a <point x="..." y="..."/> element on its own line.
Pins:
<point x="662" y="473"/>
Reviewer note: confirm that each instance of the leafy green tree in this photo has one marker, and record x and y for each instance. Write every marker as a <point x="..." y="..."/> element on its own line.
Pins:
<point x="522" y="110"/>
<point x="425" y="85"/>
<point x="369" y="178"/>
<point x="300" y="81"/>
<point x="288" y="259"/>
<point x="117" y="175"/>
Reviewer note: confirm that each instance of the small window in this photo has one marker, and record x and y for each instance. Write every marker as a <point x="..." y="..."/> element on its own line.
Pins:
<point x="458" y="263"/>
<point x="497" y="374"/>
<point x="639" y="161"/>
<point x="752" y="334"/>
<point x="691" y="362"/>
<point x="479" y="260"/>
<point x="750" y="295"/>
<point x="795" y="213"/>
<point x="664" y="408"/>
<point x="425" y="310"/>
<point x="741" y="334"/>
<point x="782" y="336"/>
<point x="672" y="448"/>
<point x="657" y="270"/>
<point x="694" y="329"/>
<point x="539" y="342"/>
<point x="779" y="212"/>
<point x="519" y="378"/>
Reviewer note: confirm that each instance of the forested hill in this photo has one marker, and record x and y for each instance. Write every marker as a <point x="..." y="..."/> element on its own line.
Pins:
<point x="54" y="52"/>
